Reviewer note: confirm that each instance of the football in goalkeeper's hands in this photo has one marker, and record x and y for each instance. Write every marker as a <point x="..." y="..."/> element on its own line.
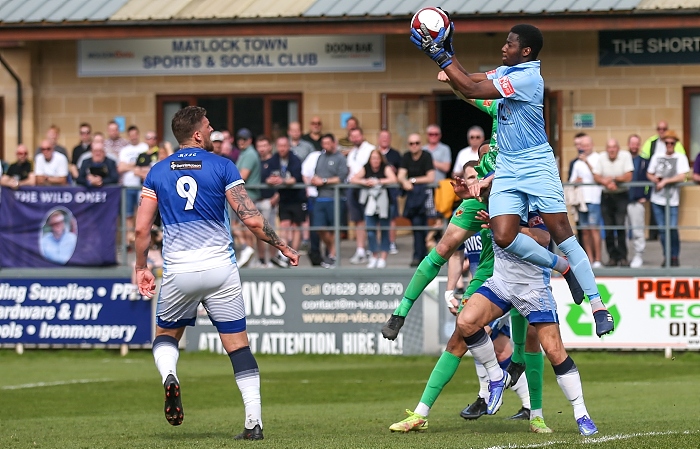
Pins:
<point x="433" y="19"/>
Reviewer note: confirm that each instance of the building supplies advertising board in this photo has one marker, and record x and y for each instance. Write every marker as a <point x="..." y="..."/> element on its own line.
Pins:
<point x="231" y="55"/>
<point x="73" y="312"/>
<point x="327" y="312"/>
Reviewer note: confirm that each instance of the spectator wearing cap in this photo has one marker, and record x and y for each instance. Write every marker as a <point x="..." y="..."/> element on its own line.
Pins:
<point x="217" y="142"/>
<point x="655" y="144"/>
<point x="666" y="171"/>
<point x="51" y="167"/>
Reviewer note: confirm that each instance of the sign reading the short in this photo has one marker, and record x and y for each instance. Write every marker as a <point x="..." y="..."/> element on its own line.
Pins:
<point x="649" y="47"/>
<point x="223" y="55"/>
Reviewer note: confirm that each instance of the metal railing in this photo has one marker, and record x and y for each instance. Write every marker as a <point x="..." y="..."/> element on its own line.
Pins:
<point x="338" y="227"/>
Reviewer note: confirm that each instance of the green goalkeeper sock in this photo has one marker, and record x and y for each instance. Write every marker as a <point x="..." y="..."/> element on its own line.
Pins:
<point x="534" y="369"/>
<point x="426" y="272"/>
<point x="444" y="369"/>
<point x="518" y="332"/>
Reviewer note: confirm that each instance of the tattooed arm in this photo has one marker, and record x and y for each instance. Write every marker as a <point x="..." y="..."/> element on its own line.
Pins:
<point x="145" y="217"/>
<point x="244" y="207"/>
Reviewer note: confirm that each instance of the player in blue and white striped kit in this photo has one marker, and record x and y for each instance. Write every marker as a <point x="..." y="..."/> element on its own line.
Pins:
<point x="526" y="176"/>
<point x="190" y="189"/>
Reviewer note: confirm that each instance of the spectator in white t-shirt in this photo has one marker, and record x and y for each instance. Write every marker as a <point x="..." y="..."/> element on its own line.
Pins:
<point x="666" y="170"/>
<point x="127" y="163"/>
<point x="475" y="136"/>
<point x="50" y="166"/>
<point x="589" y="221"/>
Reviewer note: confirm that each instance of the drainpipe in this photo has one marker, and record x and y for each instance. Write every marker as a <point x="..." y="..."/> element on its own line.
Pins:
<point x="19" y="97"/>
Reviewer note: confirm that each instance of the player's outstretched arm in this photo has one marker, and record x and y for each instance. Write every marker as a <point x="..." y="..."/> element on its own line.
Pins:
<point x="471" y="85"/>
<point x="244" y="207"/>
<point x="145" y="216"/>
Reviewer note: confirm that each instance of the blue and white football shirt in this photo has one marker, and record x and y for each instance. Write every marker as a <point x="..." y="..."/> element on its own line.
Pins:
<point x="190" y="187"/>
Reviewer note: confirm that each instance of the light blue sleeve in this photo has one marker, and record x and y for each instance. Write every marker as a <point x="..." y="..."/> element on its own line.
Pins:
<point x="496" y="73"/>
<point x="522" y="85"/>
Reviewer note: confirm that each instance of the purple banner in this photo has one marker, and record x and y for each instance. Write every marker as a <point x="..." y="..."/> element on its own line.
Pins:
<point x="53" y="227"/>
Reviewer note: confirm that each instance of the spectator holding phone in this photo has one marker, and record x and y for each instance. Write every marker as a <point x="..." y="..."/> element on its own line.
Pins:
<point x="98" y="170"/>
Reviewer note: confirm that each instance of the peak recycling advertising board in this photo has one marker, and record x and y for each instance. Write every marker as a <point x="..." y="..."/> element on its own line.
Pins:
<point x="649" y="313"/>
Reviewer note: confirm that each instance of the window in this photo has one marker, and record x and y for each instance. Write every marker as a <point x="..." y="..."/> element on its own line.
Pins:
<point x="268" y="114"/>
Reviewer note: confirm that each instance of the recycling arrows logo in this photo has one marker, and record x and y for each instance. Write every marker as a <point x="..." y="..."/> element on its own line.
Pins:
<point x="577" y="312"/>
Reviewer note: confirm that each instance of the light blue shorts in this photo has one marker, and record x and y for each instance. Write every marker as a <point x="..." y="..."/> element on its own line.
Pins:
<point x="591" y="218"/>
<point x="527" y="181"/>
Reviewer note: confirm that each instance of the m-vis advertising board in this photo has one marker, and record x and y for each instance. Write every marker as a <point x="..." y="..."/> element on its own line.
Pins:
<point x="231" y="55"/>
<point x="90" y="311"/>
<point x="319" y="313"/>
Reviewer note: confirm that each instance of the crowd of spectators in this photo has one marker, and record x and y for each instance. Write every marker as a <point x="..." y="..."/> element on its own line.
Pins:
<point x="605" y="198"/>
<point x="376" y="176"/>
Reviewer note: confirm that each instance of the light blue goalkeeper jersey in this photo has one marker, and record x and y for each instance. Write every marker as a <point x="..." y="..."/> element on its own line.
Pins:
<point x="520" y="112"/>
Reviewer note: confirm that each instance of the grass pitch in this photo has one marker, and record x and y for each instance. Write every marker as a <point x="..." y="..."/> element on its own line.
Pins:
<point x="97" y="399"/>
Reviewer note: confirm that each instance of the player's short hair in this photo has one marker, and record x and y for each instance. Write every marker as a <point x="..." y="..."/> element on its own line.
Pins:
<point x="262" y="138"/>
<point x="132" y="128"/>
<point x="357" y="129"/>
<point x="186" y="121"/>
<point x="529" y="36"/>
<point x="579" y="135"/>
<point x="328" y="136"/>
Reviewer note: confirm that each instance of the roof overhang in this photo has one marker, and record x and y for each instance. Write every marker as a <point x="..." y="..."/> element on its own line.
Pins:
<point x="348" y="25"/>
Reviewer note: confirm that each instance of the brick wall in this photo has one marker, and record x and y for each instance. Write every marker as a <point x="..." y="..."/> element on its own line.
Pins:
<point x="624" y="100"/>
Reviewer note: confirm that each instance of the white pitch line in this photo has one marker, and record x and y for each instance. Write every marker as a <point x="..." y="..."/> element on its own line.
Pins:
<point x="52" y="384"/>
<point x="593" y="440"/>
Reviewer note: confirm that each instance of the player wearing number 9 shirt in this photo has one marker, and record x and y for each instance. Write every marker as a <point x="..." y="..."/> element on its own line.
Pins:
<point x="190" y="189"/>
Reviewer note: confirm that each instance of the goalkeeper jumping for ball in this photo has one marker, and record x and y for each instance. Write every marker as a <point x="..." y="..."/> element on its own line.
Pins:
<point x="526" y="175"/>
<point x="526" y="287"/>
